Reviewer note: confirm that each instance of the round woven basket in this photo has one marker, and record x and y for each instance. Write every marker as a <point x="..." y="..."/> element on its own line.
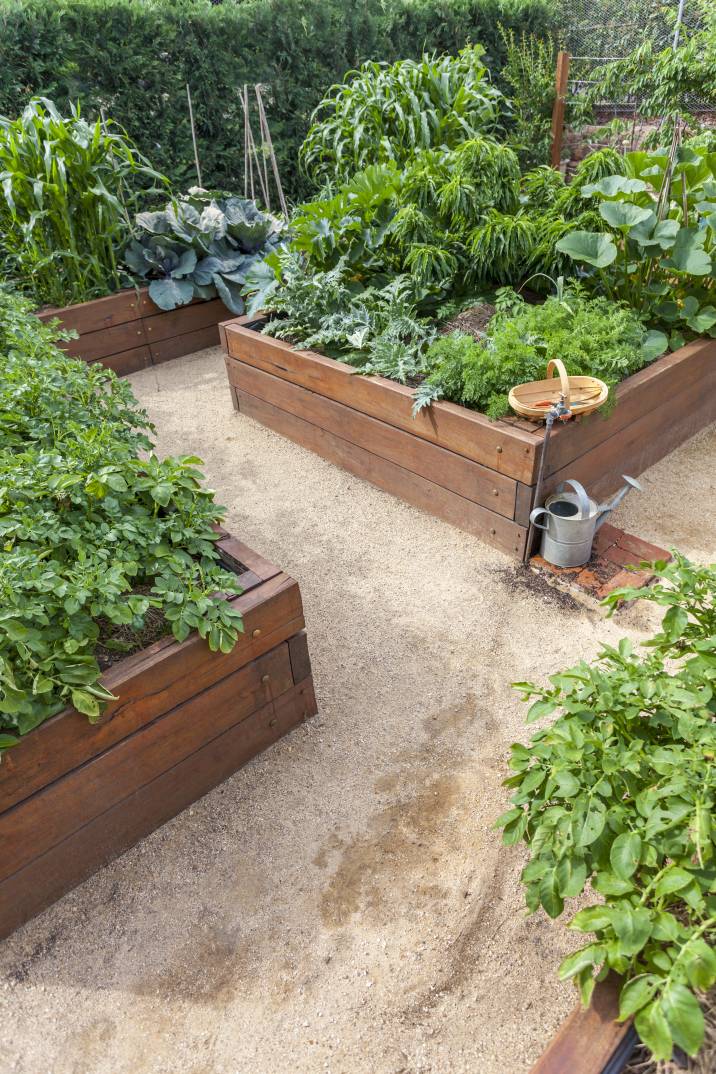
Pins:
<point x="581" y="394"/>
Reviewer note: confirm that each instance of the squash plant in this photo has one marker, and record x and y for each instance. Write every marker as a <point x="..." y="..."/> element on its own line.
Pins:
<point x="94" y="529"/>
<point x="619" y="794"/>
<point x="659" y="250"/>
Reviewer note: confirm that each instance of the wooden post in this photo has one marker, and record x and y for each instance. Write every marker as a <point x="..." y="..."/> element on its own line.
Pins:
<point x="558" y="109"/>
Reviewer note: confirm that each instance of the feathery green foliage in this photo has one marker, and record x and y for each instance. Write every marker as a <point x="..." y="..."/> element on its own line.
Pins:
<point x="67" y="195"/>
<point x="94" y="528"/>
<point x="593" y="337"/>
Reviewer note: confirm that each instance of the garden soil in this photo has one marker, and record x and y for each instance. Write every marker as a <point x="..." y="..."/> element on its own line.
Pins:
<point x="342" y="904"/>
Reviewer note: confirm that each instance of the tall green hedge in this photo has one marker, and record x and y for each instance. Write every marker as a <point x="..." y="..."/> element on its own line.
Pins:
<point x="133" y="58"/>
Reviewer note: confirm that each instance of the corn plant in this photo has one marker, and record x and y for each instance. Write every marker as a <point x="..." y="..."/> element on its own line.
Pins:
<point x="389" y="112"/>
<point x="67" y="196"/>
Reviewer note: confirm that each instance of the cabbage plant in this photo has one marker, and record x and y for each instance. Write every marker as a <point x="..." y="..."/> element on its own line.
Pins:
<point x="201" y="245"/>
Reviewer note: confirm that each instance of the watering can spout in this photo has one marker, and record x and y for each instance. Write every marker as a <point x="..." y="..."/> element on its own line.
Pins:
<point x="606" y="509"/>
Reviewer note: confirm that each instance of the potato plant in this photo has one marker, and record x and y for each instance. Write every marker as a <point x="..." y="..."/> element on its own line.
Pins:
<point x="617" y="796"/>
<point x="93" y="526"/>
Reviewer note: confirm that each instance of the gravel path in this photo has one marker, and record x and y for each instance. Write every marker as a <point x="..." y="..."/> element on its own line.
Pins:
<point x="341" y="904"/>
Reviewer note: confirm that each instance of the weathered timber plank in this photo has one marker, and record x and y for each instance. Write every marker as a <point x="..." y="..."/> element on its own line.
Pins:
<point x="300" y="659"/>
<point x="494" y="444"/>
<point x="99" y="313"/>
<point x="234" y="552"/>
<point x="68" y="863"/>
<point x="588" y="1038"/>
<point x="665" y="379"/>
<point x="166" y="349"/>
<point x="633" y="449"/>
<point x="412" y="488"/>
<point x="165" y="324"/>
<point x="36" y="824"/>
<point x="116" y="339"/>
<point x="126" y="361"/>
<point x="454" y="472"/>
<point x="149" y="684"/>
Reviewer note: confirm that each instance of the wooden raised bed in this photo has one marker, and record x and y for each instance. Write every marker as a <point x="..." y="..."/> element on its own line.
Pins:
<point x="74" y="795"/>
<point x="591" y="1041"/>
<point x="127" y="332"/>
<point x="454" y="462"/>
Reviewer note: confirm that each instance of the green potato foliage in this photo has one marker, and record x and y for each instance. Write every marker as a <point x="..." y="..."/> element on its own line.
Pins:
<point x="89" y="516"/>
<point x="618" y="795"/>
<point x="389" y="112"/>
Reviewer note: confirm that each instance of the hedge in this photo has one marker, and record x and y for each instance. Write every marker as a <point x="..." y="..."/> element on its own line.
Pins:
<point x="133" y="58"/>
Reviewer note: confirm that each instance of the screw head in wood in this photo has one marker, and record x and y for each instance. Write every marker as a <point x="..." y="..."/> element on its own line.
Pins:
<point x="499" y="450"/>
<point x="265" y="678"/>
<point x="273" y="722"/>
<point x="256" y="633"/>
<point x="495" y="492"/>
<point x="493" y="532"/>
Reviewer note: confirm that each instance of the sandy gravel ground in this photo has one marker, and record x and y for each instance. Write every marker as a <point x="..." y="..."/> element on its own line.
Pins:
<point x="341" y="904"/>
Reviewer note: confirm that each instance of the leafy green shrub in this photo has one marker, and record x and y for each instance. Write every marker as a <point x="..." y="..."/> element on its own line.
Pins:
<point x="417" y="220"/>
<point x="95" y="529"/>
<point x="593" y="337"/>
<point x="390" y="112"/>
<point x="657" y="247"/>
<point x="378" y="330"/>
<point x="296" y="47"/>
<point x="619" y="793"/>
<point x="67" y="193"/>
<point x="201" y="245"/>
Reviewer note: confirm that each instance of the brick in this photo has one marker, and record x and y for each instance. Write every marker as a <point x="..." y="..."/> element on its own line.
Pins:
<point x="542" y="565"/>
<point x="641" y="548"/>
<point x="588" y="580"/>
<point x="620" y="556"/>
<point x="633" y="579"/>
<point x="606" y="536"/>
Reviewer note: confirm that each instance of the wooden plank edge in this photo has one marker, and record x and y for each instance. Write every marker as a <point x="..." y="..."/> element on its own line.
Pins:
<point x="588" y="1038"/>
<point x="417" y="491"/>
<point x="108" y="835"/>
<point x="451" y="470"/>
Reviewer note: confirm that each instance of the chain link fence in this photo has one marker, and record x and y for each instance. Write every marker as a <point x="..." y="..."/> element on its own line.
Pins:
<point x="596" y="32"/>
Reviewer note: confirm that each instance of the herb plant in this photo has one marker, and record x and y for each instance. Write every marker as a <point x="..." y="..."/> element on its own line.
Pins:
<point x="619" y="793"/>
<point x="199" y="246"/>
<point x="593" y="337"/>
<point x="95" y="529"/>
<point x="390" y="112"/>
<point x="68" y="190"/>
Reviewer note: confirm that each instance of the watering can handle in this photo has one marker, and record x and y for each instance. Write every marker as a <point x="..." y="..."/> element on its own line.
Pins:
<point x="558" y="364"/>
<point x="534" y="515"/>
<point x="582" y="498"/>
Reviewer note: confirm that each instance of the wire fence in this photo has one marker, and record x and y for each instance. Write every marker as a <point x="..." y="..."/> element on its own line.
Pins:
<point x="596" y="32"/>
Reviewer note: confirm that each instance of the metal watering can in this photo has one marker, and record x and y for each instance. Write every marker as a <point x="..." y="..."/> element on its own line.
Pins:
<point x="571" y="520"/>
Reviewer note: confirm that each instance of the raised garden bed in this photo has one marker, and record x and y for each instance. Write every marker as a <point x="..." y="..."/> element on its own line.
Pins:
<point x="74" y="795"/>
<point x="453" y="462"/>
<point x="591" y="1041"/>
<point x="127" y="332"/>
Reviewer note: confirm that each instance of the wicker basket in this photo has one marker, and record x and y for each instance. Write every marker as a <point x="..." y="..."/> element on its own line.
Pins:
<point x="581" y="394"/>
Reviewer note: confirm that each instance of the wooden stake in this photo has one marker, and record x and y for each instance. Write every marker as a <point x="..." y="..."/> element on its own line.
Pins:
<point x="266" y="136"/>
<point x="193" y="135"/>
<point x="559" y="107"/>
